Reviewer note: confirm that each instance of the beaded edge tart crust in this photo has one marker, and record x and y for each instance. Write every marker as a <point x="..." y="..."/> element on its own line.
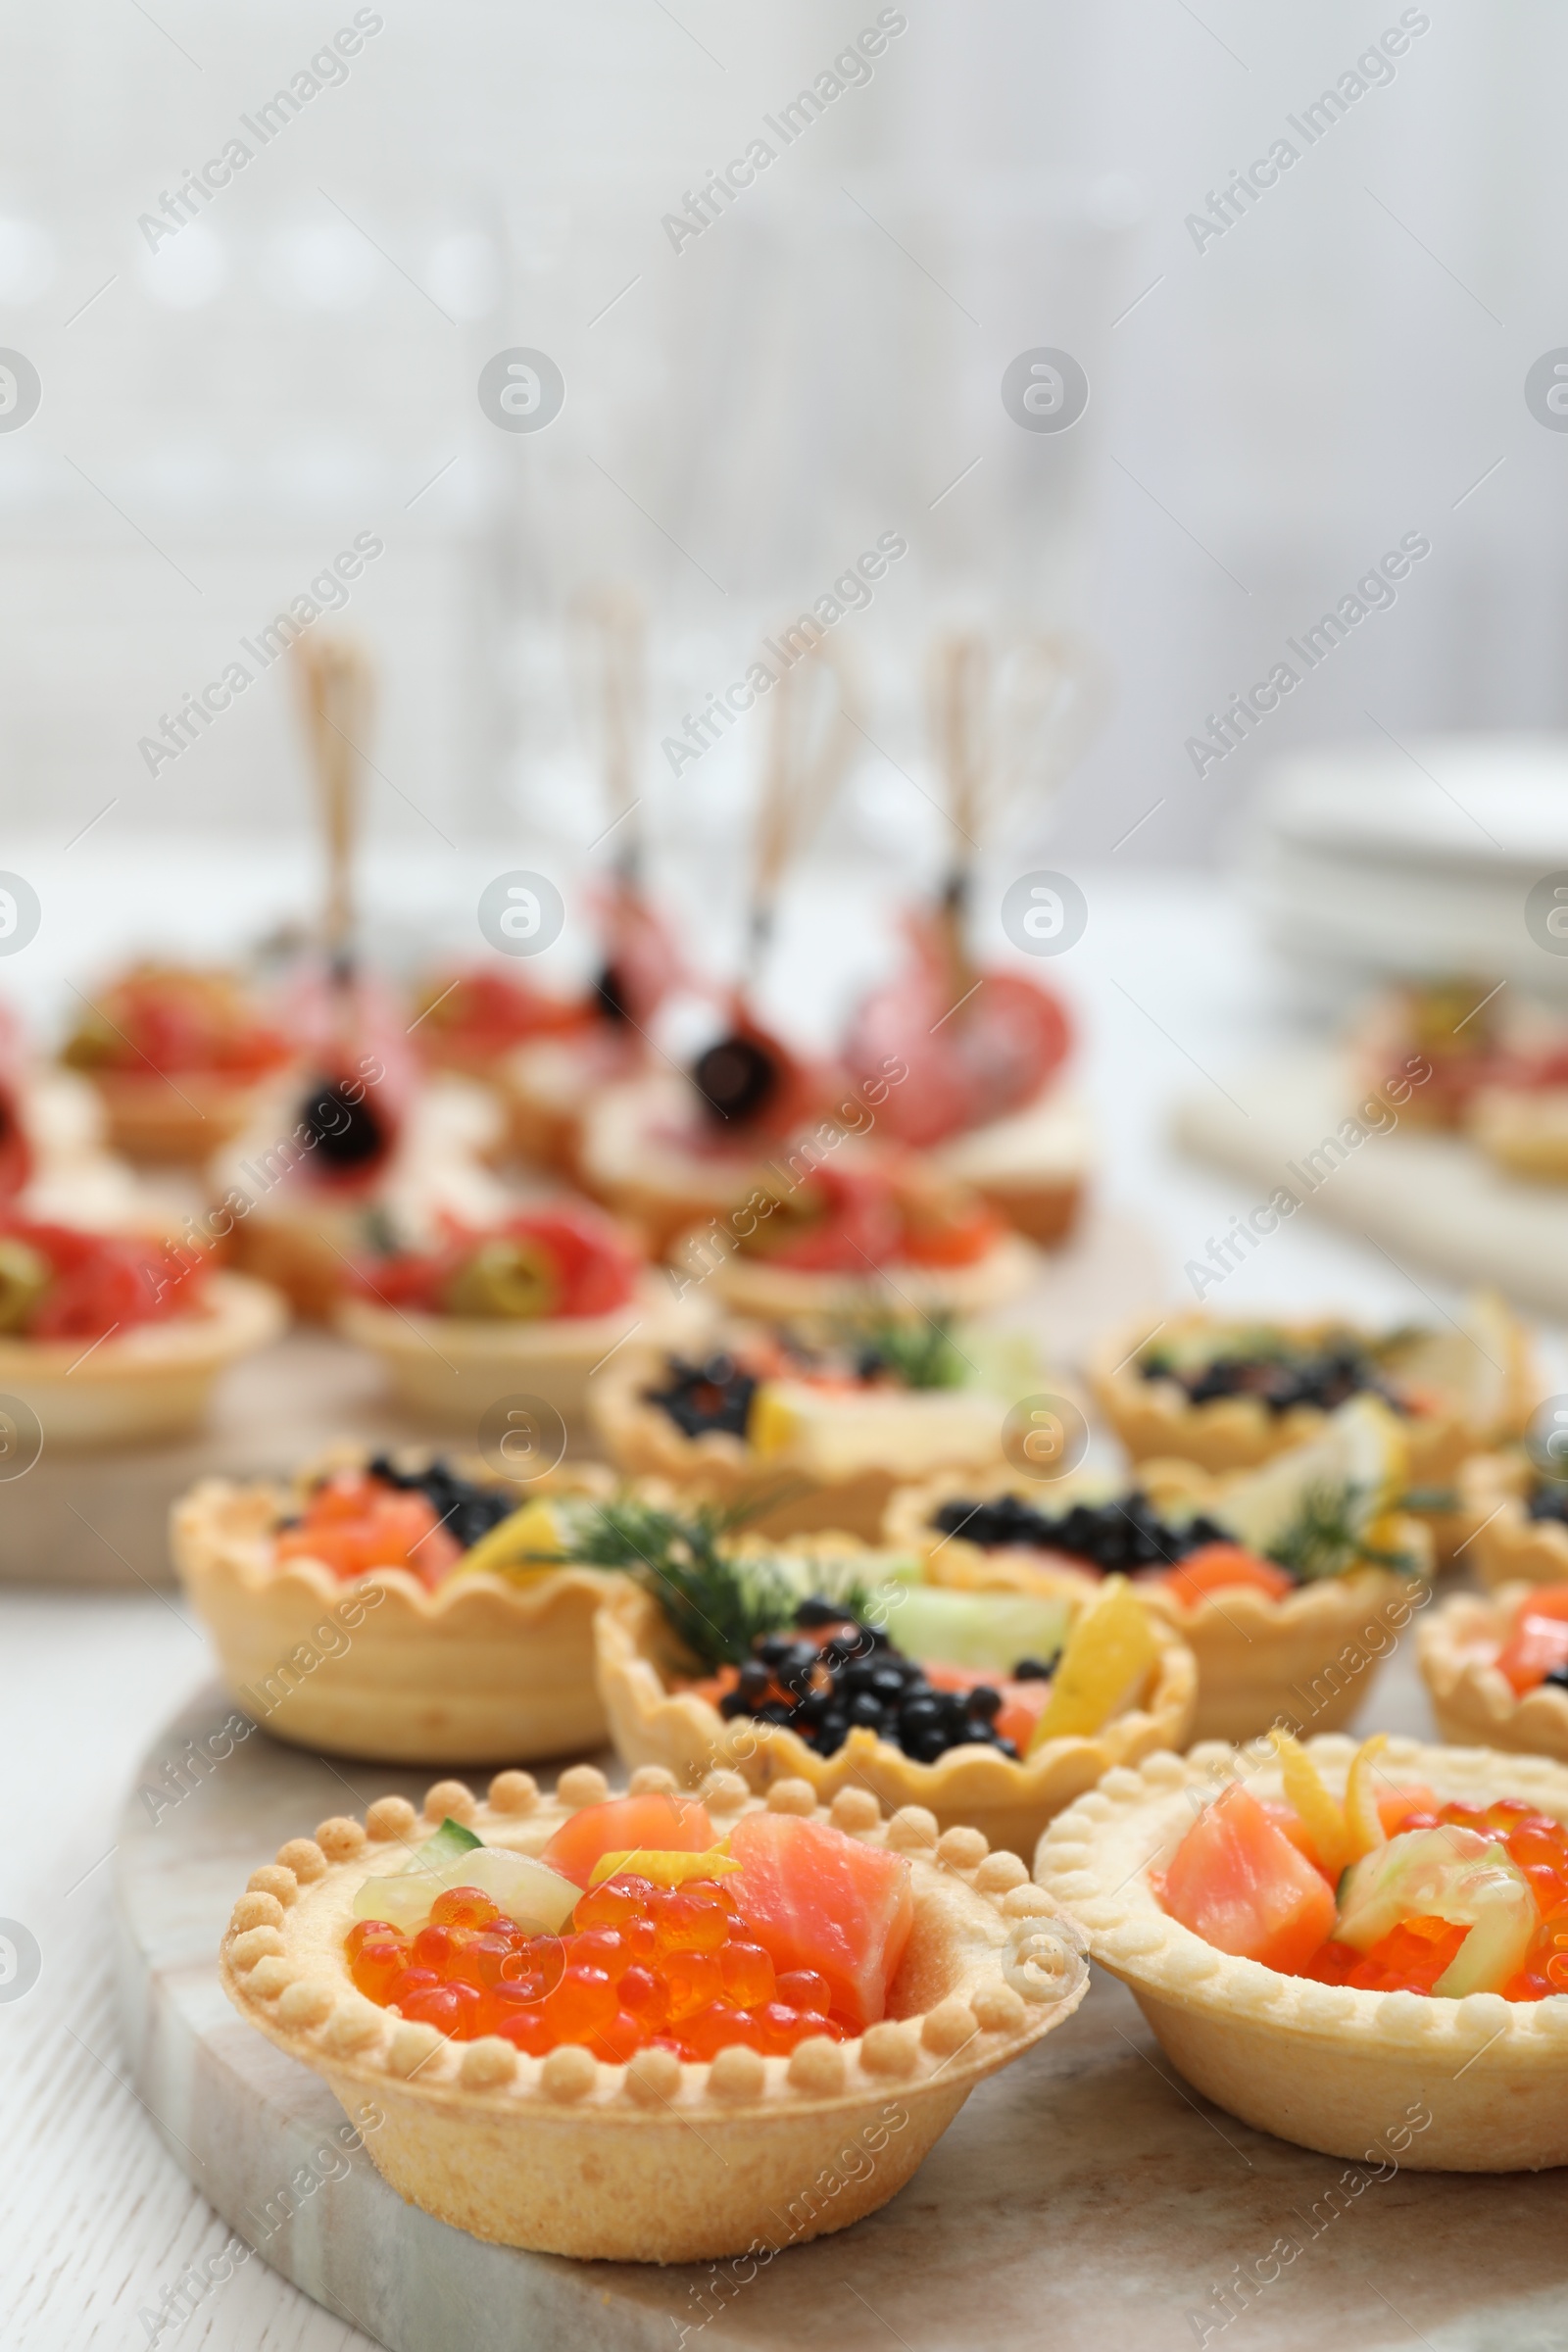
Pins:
<point x="1237" y="1433"/>
<point x="1326" y="2065"/>
<point x="1509" y="1545"/>
<point x="658" y="2160"/>
<point x="1008" y="1799"/>
<point x="1307" y="1657"/>
<point x="152" y="1382"/>
<point x="485" y="1667"/>
<point x="453" y="1367"/>
<point x="1470" y="1699"/>
<point x="716" y="1466"/>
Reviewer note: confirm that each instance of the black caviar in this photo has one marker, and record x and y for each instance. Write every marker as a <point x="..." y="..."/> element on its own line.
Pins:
<point x="1550" y="1500"/>
<point x="822" y="1689"/>
<point x="1112" y="1535"/>
<point x="466" y="1511"/>
<point x="1280" y="1378"/>
<point x="714" y="1393"/>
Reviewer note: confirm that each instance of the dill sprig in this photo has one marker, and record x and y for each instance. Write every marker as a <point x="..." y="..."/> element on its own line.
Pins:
<point x="715" y="1602"/>
<point x="1325" y="1539"/>
<point x="922" y="1355"/>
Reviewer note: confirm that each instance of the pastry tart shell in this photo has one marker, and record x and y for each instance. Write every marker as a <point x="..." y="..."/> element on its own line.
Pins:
<point x="451" y="1369"/>
<point x="1308" y="1660"/>
<point x="146" y="1385"/>
<point x="486" y="1669"/>
<point x="1470" y="1699"/>
<point x="1153" y="1417"/>
<point x="1508" y="1546"/>
<point x="1523" y="1130"/>
<point x="1328" y="2067"/>
<point x="640" y="1441"/>
<point x="1008" y="1800"/>
<point x="660" y="2161"/>
<point x="180" y="1120"/>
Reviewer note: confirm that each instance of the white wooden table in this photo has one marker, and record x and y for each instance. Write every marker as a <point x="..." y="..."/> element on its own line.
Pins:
<point x="95" y="2221"/>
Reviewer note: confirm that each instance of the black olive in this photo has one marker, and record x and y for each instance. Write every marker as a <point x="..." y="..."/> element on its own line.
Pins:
<point x="347" y="1136"/>
<point x="737" y="1078"/>
<point x="609" y="996"/>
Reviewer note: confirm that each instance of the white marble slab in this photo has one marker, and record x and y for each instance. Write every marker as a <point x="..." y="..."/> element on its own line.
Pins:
<point x="1083" y="2199"/>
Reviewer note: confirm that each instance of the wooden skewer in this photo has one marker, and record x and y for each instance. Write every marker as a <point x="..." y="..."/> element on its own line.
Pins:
<point x="615" y="698"/>
<point x="337" y="686"/>
<point x="814" y="714"/>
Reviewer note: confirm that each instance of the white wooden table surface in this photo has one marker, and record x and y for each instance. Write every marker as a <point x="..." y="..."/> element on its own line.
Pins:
<point x="95" y="2221"/>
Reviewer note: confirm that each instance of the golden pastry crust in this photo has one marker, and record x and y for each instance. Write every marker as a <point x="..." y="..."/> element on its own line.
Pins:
<point x="453" y="1367"/>
<point x="1308" y="1659"/>
<point x="1031" y="1166"/>
<point x="636" y="1150"/>
<point x="1326" y="2065"/>
<point x="1508" y="1546"/>
<point x="180" y="1121"/>
<point x="1523" y="1130"/>
<point x="1155" y="1417"/>
<point x="1009" y="1801"/>
<point x="658" y="2160"/>
<point x="484" y="1668"/>
<point x="147" y="1384"/>
<point x="1457" y="1649"/>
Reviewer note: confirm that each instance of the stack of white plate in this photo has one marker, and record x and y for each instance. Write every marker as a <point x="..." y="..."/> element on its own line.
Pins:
<point x="1368" y="859"/>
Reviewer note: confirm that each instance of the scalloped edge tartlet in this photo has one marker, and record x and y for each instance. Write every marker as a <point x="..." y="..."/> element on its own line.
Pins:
<point x="1259" y="1661"/>
<point x="1153" y="1417"/>
<point x="973" y="1787"/>
<point x="148" y="1386"/>
<point x="453" y="1367"/>
<point x="1522" y="1130"/>
<point x="643" y="1442"/>
<point x="483" y="1670"/>
<point x="658" y="2160"/>
<point x="1471" y="1700"/>
<point x="180" y="1120"/>
<point x="1509" y="1545"/>
<point x="1032" y="1166"/>
<point x="1326" y="2065"/>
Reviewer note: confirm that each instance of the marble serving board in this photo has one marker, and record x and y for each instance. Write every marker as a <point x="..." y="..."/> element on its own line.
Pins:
<point x="102" y="1519"/>
<point x="1083" y="2199"/>
<point x="1427" y="1197"/>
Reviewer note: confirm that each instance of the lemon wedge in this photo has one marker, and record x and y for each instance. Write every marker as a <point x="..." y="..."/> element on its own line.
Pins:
<point x="1322" y="1813"/>
<point x="1110" y="1652"/>
<point x="533" y="1528"/>
<point x="1363" y="1821"/>
<point x="666" y="1868"/>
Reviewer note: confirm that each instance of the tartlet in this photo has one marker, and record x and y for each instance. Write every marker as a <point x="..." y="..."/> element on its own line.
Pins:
<point x="1472" y="1699"/>
<point x="1327" y="2066"/>
<point x="1477" y="1386"/>
<point x="178" y="1057"/>
<point x="765" y="1293"/>
<point x="145" y="1384"/>
<point x="1306" y="1657"/>
<point x="777" y="1422"/>
<point x="1509" y="1545"/>
<point x="658" y="2160"/>
<point x="1010" y="1800"/>
<point x="486" y="1666"/>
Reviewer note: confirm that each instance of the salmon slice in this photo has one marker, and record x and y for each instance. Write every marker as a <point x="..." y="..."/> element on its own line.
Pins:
<point x="1239" y="1881"/>
<point x="660" y="1823"/>
<point x="814" y="1898"/>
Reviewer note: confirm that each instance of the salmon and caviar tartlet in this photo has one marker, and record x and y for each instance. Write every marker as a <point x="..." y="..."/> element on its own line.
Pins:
<point x="534" y="1301"/>
<point x="115" y="1339"/>
<point x="1290" y="1583"/>
<point x="1496" y="1667"/>
<point x="1341" y="1936"/>
<point x="636" y="2029"/>
<point x="399" y="1608"/>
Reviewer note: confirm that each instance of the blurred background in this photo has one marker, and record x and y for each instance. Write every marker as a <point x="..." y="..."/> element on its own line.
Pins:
<point x="223" y="408"/>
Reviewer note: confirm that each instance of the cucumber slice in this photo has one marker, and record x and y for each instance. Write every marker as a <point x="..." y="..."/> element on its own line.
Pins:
<point x="1452" y="1874"/>
<point x="450" y="1839"/>
<point x="530" y="1892"/>
<point x="989" y="1630"/>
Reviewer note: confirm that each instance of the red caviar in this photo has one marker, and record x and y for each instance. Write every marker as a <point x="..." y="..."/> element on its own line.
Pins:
<point x="639" y="1964"/>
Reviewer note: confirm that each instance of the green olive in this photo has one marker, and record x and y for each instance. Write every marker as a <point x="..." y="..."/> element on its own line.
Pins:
<point x="93" y="1042"/>
<point x="511" y="1281"/>
<point x="25" y="1276"/>
<point x="778" y="1215"/>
